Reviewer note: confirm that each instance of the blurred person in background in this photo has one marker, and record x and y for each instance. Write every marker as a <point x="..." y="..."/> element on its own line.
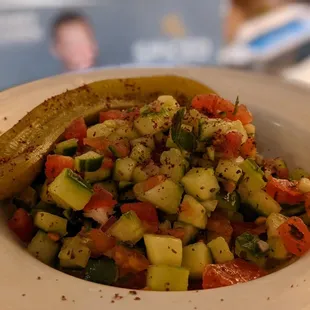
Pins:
<point x="244" y="10"/>
<point x="74" y="42"/>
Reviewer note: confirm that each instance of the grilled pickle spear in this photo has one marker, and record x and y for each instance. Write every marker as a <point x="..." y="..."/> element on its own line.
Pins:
<point x="23" y="147"/>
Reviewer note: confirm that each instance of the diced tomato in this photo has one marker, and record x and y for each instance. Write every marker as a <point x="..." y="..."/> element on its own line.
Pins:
<point x="146" y="212"/>
<point x="130" y="259"/>
<point x="22" y="225"/>
<point x="107" y="163"/>
<point x="284" y="191"/>
<point x="99" y="188"/>
<point x="248" y="149"/>
<point x="229" y="273"/>
<point x="212" y="105"/>
<point x="98" y="143"/>
<point x="117" y="114"/>
<point x="215" y="106"/>
<point x="98" y="242"/>
<point x="77" y="129"/>
<point x="54" y="236"/>
<point x="229" y="186"/>
<point x="111" y="114"/>
<point x="176" y="232"/>
<point x="241" y="227"/>
<point x="152" y="182"/>
<point x="101" y="200"/>
<point x="295" y="236"/>
<point x="55" y="164"/>
<point x="228" y="145"/>
<point x="133" y="114"/>
<point x="219" y="224"/>
<point x="112" y="219"/>
<point x="120" y="147"/>
<point x="242" y="114"/>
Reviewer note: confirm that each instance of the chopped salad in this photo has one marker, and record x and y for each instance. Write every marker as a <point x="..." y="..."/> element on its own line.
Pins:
<point x="166" y="198"/>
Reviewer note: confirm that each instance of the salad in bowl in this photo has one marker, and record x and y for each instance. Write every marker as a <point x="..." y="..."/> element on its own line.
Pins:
<point x="165" y="194"/>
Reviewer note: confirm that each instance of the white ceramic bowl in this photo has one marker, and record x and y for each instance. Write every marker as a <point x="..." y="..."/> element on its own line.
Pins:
<point x="282" y="114"/>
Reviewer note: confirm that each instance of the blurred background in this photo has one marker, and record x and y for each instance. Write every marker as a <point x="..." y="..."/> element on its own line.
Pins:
<point x="40" y="38"/>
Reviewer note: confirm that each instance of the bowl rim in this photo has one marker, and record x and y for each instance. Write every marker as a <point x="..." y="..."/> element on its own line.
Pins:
<point x="56" y="289"/>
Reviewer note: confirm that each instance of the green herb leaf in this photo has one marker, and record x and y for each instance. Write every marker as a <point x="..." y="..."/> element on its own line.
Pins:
<point x="236" y="106"/>
<point x="182" y="138"/>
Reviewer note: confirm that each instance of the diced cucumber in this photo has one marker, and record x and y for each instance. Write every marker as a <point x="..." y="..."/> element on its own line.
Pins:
<point x="195" y="257"/>
<point x="68" y="190"/>
<point x="253" y="178"/>
<point x="163" y="226"/>
<point x="103" y="129"/>
<point x="123" y="169"/>
<point x="260" y="201"/>
<point x="127" y="228"/>
<point x="228" y="170"/>
<point x="127" y="131"/>
<point x="192" y="212"/>
<point x="220" y="250"/>
<point x="175" y="173"/>
<point x="90" y="161"/>
<point x="67" y="148"/>
<point x="152" y="123"/>
<point x="43" y="248"/>
<point x="165" y="196"/>
<point x="277" y="249"/>
<point x="304" y="185"/>
<point x="189" y="231"/>
<point x="173" y="164"/>
<point x="125" y="185"/>
<point x="228" y="201"/>
<point x="168" y="102"/>
<point x="127" y="196"/>
<point x="138" y="175"/>
<point x="74" y="253"/>
<point x="201" y="183"/>
<point x="28" y="196"/>
<point x="45" y="195"/>
<point x="173" y="157"/>
<point x="110" y="186"/>
<point x="288" y="210"/>
<point x="140" y="153"/>
<point x="159" y="138"/>
<point x="167" y="278"/>
<point x="163" y="250"/>
<point x="298" y="174"/>
<point x="103" y="271"/>
<point x="147" y="141"/>
<point x="306" y="219"/>
<point x="235" y="216"/>
<point x="250" y="130"/>
<point x="201" y="147"/>
<point x="51" y="223"/>
<point x="273" y="222"/>
<point x="208" y="127"/>
<point x="247" y="246"/>
<point x="210" y="205"/>
<point x="98" y="175"/>
<point x="211" y="152"/>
